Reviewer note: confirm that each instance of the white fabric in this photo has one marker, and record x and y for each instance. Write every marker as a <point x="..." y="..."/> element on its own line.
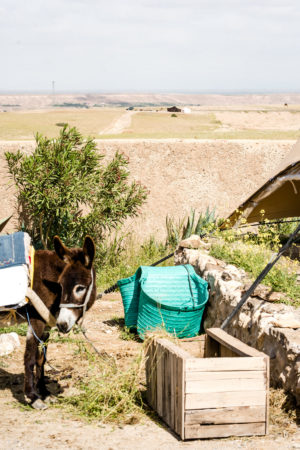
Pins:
<point x="13" y="286"/>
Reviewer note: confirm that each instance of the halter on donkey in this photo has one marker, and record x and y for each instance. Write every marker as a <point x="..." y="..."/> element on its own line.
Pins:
<point x="64" y="274"/>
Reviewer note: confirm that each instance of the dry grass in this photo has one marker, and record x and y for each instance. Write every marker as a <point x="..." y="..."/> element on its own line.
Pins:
<point x="23" y="125"/>
<point x="112" y="393"/>
<point x="163" y="125"/>
<point x="284" y="413"/>
<point x="156" y="125"/>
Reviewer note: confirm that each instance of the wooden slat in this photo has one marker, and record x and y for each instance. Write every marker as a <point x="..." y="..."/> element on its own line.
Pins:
<point x="201" y="338"/>
<point x="173" y="382"/>
<point x="225" y="399"/>
<point x="179" y="395"/>
<point x="238" y="414"/>
<point x="212" y="431"/>
<point x="166" y="415"/>
<point x="222" y="375"/>
<point x="232" y="343"/>
<point x="229" y="385"/>
<point x="226" y="364"/>
<point x="159" y="379"/>
<point x="267" y="360"/>
<point x="151" y="374"/>
<point x="212" y="348"/>
<point x="173" y="347"/>
<point x="225" y="352"/>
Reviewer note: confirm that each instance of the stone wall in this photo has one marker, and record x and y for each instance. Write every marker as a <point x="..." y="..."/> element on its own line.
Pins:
<point x="273" y="328"/>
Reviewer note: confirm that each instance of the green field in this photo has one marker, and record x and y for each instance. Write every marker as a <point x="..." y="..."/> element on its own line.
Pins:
<point x="101" y="123"/>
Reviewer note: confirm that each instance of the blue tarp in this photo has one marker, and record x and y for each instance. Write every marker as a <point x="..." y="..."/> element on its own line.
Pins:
<point x="12" y="250"/>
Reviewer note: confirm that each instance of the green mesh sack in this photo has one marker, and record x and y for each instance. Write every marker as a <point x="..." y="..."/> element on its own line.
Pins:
<point x="172" y="298"/>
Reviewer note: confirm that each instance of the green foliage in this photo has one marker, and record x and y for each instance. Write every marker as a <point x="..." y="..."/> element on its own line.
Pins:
<point x="205" y="223"/>
<point x="71" y="105"/>
<point x="129" y="259"/>
<point x="253" y="259"/>
<point x="20" y="329"/>
<point x="173" y="115"/>
<point x="62" y="189"/>
<point x="174" y="231"/>
<point x="184" y="228"/>
<point x="273" y="235"/>
<point x="127" y="335"/>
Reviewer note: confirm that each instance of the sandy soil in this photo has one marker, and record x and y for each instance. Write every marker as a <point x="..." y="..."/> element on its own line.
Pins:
<point x="180" y="175"/>
<point x="57" y="429"/>
<point x="272" y="120"/>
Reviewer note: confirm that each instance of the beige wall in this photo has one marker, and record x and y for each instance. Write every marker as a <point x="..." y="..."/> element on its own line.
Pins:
<point x="180" y="175"/>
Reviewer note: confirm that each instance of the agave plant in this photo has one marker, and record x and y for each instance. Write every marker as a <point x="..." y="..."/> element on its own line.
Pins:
<point x="205" y="221"/>
<point x="176" y="231"/>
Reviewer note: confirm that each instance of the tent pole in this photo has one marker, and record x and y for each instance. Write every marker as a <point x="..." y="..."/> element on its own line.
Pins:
<point x="260" y="277"/>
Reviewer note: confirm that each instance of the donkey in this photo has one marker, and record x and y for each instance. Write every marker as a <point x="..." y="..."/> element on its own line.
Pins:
<point x="64" y="279"/>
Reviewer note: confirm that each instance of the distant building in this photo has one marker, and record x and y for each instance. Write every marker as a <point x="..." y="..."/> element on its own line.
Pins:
<point x="187" y="110"/>
<point x="173" y="109"/>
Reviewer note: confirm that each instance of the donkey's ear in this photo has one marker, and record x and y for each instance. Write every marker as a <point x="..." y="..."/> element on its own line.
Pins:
<point x="61" y="250"/>
<point x="89" y="251"/>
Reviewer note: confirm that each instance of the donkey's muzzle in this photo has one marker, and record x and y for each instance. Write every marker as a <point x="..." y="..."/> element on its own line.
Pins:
<point x="63" y="327"/>
<point x="66" y="320"/>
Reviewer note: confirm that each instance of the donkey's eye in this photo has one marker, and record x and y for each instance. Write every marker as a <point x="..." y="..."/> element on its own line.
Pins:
<point x="79" y="289"/>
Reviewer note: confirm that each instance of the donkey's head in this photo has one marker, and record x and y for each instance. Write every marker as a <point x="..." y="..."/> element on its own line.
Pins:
<point x="77" y="281"/>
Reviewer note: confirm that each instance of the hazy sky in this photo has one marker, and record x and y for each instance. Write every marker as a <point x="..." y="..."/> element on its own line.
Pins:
<point x="150" y="45"/>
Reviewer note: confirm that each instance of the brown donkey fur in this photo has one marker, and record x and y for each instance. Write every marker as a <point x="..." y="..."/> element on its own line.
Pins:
<point x="60" y="276"/>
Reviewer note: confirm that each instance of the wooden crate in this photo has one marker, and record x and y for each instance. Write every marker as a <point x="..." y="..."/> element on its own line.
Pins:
<point x="208" y="386"/>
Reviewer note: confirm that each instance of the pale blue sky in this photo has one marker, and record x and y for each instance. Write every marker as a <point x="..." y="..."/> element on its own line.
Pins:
<point x="150" y="45"/>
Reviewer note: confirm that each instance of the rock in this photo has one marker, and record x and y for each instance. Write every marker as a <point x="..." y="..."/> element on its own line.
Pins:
<point x="286" y="321"/>
<point x="193" y="241"/>
<point x="234" y="272"/>
<point x="209" y="267"/>
<point x="226" y="276"/>
<point x="8" y="343"/>
<point x="260" y="291"/>
<point x="275" y="297"/>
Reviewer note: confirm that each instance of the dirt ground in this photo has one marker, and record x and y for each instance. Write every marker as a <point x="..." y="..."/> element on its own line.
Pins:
<point x="54" y="428"/>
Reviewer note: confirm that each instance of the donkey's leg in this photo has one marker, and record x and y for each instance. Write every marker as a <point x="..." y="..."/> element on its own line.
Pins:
<point x="40" y="363"/>
<point x="30" y="360"/>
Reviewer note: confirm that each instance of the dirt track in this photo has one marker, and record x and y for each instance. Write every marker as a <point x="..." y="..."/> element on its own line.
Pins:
<point x="180" y="175"/>
<point x="120" y="124"/>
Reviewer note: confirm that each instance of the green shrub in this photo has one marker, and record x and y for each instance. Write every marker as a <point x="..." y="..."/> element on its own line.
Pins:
<point x="62" y="189"/>
<point x="253" y="259"/>
<point x="184" y="228"/>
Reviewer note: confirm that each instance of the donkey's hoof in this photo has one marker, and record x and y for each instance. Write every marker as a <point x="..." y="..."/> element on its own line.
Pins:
<point x="39" y="404"/>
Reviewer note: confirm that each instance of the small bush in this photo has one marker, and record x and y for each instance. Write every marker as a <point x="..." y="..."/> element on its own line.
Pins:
<point x="63" y="189"/>
<point x="184" y="228"/>
<point x="173" y="115"/>
<point x="253" y="259"/>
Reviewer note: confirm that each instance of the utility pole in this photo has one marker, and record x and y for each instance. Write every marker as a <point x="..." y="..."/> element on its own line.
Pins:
<point x="53" y="93"/>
